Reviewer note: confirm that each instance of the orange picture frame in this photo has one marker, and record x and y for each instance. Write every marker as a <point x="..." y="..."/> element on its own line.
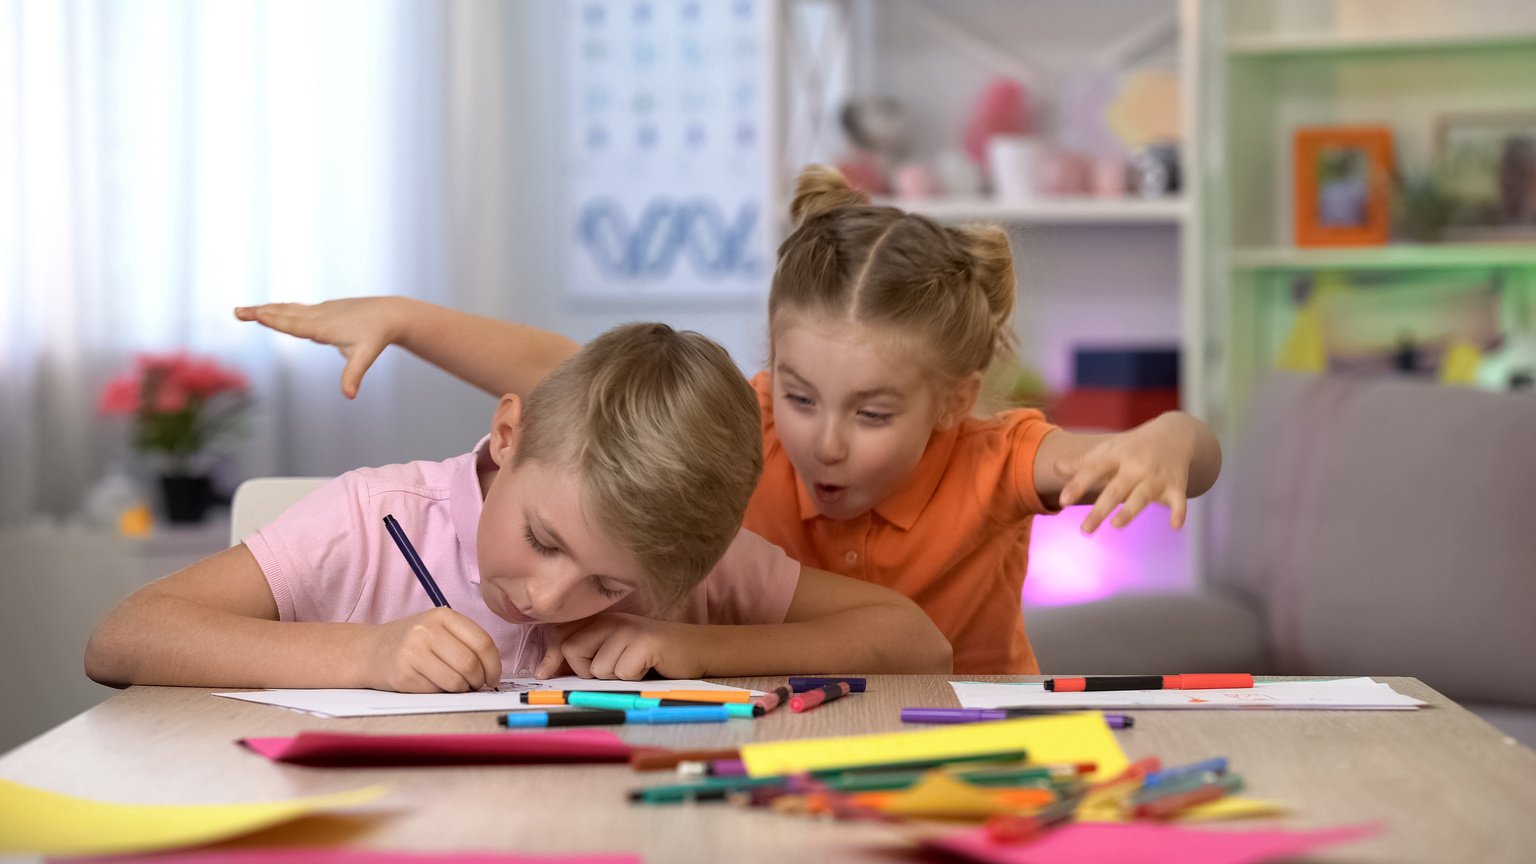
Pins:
<point x="1342" y="182"/>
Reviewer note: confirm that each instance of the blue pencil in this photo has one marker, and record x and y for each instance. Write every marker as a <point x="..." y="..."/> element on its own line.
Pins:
<point x="414" y="560"/>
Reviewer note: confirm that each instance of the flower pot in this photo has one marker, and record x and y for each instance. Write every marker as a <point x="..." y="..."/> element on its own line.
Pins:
<point x="186" y="496"/>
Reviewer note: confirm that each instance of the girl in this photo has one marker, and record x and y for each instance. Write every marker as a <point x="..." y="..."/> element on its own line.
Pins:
<point x="881" y="325"/>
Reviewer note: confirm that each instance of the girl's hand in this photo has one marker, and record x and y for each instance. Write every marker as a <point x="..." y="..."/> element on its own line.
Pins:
<point x="620" y="645"/>
<point x="430" y="652"/>
<point x="1132" y="469"/>
<point x="360" y="328"/>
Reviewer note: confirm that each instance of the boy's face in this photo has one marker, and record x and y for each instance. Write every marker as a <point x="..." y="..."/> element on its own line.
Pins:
<point x="852" y="409"/>
<point x="541" y="558"/>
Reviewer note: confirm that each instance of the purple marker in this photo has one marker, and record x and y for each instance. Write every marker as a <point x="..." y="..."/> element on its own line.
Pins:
<point x="979" y="715"/>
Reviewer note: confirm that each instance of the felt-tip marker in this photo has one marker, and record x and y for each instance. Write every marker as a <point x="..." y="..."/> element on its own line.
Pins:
<point x="980" y="715"/>
<point x="1218" y="681"/>
<point x="811" y="698"/>
<point x="602" y="717"/>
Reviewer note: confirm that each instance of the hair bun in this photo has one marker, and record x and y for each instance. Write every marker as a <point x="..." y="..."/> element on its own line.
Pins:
<point x="819" y="189"/>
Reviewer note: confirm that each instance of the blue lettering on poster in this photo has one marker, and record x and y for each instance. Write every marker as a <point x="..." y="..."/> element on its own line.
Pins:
<point x="666" y="232"/>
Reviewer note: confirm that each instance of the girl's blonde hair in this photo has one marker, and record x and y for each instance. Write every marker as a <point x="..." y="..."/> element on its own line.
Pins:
<point x="666" y="436"/>
<point x="879" y="265"/>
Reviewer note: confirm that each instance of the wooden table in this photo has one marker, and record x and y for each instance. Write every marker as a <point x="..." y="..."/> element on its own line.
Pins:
<point x="1447" y="785"/>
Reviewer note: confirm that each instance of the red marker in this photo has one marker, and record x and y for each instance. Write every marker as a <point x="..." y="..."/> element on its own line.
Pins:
<point x="811" y="698"/>
<point x="778" y="696"/>
<point x="1219" y="681"/>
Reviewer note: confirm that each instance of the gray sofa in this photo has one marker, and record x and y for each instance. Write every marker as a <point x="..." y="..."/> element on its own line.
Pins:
<point x="1360" y="527"/>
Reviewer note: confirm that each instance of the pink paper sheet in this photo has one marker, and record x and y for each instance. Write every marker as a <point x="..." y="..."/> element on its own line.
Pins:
<point x="351" y="750"/>
<point x="1148" y="843"/>
<point x="350" y="856"/>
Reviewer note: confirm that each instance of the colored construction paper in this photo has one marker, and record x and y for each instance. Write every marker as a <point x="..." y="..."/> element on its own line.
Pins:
<point x="354" y="856"/>
<point x="36" y="821"/>
<point x="1057" y="738"/>
<point x="380" y="703"/>
<point x="346" y="749"/>
<point x="1146" y="843"/>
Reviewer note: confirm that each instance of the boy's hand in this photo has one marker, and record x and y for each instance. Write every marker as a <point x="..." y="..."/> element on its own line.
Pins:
<point x="360" y="328"/>
<point x="620" y="645"/>
<point x="1132" y="469"/>
<point x="430" y="652"/>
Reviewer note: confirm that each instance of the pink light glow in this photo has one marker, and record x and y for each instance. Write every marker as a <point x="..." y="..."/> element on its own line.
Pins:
<point x="1067" y="566"/>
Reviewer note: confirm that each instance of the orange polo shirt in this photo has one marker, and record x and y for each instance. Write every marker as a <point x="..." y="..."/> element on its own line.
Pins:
<point x="954" y="537"/>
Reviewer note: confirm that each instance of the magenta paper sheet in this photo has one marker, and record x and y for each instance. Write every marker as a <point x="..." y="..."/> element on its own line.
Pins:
<point x="1148" y="843"/>
<point x="352" y="750"/>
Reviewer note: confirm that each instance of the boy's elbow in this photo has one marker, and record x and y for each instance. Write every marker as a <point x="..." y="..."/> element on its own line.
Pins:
<point x="109" y="652"/>
<point x="102" y="662"/>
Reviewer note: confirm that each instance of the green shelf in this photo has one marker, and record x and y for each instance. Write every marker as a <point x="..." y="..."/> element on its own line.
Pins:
<point x="1403" y="256"/>
<point x="1272" y="45"/>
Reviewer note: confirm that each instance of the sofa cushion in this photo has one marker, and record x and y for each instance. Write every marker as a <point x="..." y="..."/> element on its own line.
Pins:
<point x="1390" y="528"/>
<point x="1148" y="634"/>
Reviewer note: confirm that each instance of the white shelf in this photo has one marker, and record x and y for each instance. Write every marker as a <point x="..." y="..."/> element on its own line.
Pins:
<point x="1048" y="211"/>
<point x="1298" y="44"/>
<point x="1392" y="257"/>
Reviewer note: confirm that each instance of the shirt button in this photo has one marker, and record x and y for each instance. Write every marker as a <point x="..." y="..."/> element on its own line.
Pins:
<point x="524" y="672"/>
<point x="851" y="556"/>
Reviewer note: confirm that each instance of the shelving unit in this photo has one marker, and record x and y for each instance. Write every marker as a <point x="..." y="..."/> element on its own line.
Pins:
<point x="1275" y="65"/>
<point x="1051" y="211"/>
<point x="937" y="57"/>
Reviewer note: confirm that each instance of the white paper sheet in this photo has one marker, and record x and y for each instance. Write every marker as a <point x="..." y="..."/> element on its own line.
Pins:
<point x="1342" y="694"/>
<point x="379" y="703"/>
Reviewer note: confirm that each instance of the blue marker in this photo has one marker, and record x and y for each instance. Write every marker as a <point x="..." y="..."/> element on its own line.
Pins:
<point x="540" y="719"/>
<point x="1217" y="765"/>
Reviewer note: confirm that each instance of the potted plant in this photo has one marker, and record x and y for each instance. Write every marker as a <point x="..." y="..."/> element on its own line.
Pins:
<point x="181" y="405"/>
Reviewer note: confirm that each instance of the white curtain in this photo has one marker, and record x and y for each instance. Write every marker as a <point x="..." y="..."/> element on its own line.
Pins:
<point x="164" y="160"/>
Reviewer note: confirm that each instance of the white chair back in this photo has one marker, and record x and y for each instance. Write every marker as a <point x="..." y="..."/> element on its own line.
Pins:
<point x="259" y="500"/>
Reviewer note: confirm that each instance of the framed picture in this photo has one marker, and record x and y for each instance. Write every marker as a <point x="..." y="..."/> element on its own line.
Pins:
<point x="1488" y="162"/>
<point x="1343" y="183"/>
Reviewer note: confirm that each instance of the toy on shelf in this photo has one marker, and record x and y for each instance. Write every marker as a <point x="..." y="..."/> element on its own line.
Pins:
<point x="1118" y="388"/>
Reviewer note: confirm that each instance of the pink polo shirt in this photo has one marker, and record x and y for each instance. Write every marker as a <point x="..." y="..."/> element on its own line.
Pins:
<point x="328" y="558"/>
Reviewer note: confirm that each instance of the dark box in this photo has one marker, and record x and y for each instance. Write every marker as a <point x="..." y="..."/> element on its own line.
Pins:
<point x="1150" y="368"/>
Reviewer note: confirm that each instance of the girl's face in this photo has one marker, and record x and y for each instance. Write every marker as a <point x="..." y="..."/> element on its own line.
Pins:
<point x="853" y="411"/>
<point x="541" y="559"/>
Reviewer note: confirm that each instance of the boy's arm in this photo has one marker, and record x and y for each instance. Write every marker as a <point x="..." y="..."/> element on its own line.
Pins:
<point x="1169" y="458"/>
<point x="498" y="357"/>
<point x="214" y="624"/>
<point x="834" y="623"/>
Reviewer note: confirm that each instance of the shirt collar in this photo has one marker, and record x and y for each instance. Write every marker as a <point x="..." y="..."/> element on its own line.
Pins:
<point x="467" y="503"/>
<point x="902" y="507"/>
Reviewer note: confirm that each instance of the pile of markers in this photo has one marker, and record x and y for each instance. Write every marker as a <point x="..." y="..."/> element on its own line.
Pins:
<point x="620" y="707"/>
<point x="1033" y="797"/>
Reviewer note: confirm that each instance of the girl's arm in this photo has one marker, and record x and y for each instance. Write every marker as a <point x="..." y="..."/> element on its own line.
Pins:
<point x="214" y="624"/>
<point x="834" y="624"/>
<point x="496" y="356"/>
<point x="1170" y="459"/>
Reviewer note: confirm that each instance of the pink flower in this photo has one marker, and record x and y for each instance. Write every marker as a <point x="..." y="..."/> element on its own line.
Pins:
<point x="175" y="402"/>
<point x="171" y="396"/>
<point x="120" y="396"/>
<point x="205" y="378"/>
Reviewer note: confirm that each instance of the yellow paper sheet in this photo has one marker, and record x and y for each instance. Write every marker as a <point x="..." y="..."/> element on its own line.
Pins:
<point x="39" y="822"/>
<point x="938" y="796"/>
<point x="1081" y="737"/>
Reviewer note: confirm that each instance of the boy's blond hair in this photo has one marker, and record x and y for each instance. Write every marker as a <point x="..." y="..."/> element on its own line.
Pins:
<point x="666" y="436"/>
<point x="951" y="287"/>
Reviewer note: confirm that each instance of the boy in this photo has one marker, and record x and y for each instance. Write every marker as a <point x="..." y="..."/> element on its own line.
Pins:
<point x="599" y="525"/>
